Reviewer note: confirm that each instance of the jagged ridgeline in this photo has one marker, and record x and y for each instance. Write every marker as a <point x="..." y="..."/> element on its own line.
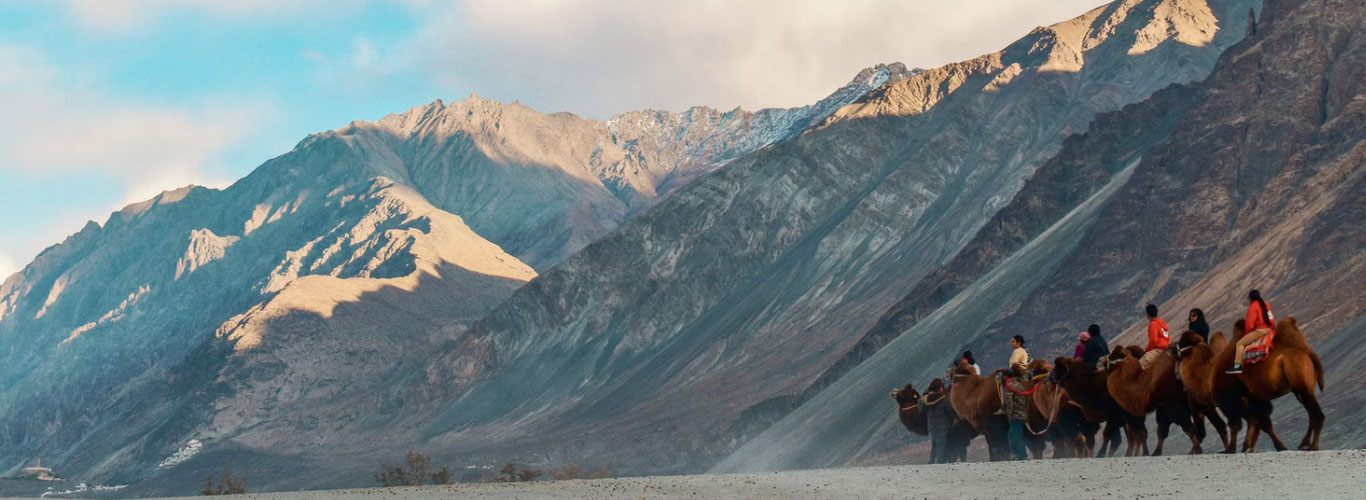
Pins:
<point x="299" y="308"/>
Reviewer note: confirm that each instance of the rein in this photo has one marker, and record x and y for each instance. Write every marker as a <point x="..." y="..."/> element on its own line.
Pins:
<point x="1029" y="392"/>
<point x="935" y="402"/>
<point x="1056" y="398"/>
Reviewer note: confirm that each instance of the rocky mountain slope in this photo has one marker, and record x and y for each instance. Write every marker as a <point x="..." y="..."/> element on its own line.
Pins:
<point x="544" y="186"/>
<point x="278" y="313"/>
<point x="1251" y="179"/>
<point x="669" y="341"/>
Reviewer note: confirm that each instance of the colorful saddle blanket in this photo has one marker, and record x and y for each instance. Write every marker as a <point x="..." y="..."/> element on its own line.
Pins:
<point x="1258" y="350"/>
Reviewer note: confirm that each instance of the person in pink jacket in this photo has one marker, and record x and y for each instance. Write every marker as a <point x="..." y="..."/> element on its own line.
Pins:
<point x="1081" y="345"/>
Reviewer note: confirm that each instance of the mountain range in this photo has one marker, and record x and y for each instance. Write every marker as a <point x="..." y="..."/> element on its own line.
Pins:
<point x="679" y="292"/>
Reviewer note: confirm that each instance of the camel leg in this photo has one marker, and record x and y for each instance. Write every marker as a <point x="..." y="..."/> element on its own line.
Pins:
<point x="1035" y="444"/>
<point x="1078" y="448"/>
<point x="1196" y="439"/>
<point x="1316" y="418"/>
<point x="1219" y="426"/>
<point x="1062" y="447"/>
<point x="1130" y="440"/>
<point x="997" y="446"/>
<point x="1197" y="434"/>
<point x="1260" y="419"/>
<point x="1235" y="425"/>
<point x="1088" y="439"/>
<point x="1136" y="433"/>
<point x="1250" y="440"/>
<point x="1106" y="437"/>
<point x="1235" y="410"/>
<point x="1113" y="429"/>
<point x="1164" y="428"/>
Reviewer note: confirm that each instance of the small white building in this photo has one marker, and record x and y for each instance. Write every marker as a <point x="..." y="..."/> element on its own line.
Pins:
<point x="37" y="471"/>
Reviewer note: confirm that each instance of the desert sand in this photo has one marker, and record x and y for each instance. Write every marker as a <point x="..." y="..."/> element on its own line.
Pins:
<point x="1318" y="475"/>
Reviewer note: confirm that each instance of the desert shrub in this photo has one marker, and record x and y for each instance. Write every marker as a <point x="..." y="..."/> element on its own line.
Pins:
<point x="529" y="474"/>
<point x="570" y="471"/>
<point x="602" y="473"/>
<point x="415" y="471"/>
<point x="227" y="485"/>
<point x="508" y="473"/>
<point x="442" y="476"/>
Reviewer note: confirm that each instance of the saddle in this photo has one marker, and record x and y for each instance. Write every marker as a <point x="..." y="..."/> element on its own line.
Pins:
<point x="1257" y="351"/>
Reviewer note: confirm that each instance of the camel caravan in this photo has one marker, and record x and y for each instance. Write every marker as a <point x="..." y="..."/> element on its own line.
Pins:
<point x="1023" y="408"/>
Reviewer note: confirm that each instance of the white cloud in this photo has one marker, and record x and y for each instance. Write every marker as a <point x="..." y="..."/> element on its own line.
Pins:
<point x="123" y="16"/>
<point x="609" y="56"/>
<point x="52" y="130"/>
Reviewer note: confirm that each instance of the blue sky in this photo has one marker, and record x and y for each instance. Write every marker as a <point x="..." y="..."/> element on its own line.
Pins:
<point x="107" y="102"/>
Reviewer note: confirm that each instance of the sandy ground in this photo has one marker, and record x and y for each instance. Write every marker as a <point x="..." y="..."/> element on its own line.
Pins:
<point x="1318" y="475"/>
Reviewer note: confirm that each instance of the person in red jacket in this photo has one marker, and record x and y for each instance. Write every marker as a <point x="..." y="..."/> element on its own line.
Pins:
<point x="1259" y="322"/>
<point x="1159" y="336"/>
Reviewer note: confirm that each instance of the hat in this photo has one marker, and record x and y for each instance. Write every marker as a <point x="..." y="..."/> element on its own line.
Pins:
<point x="1085" y="336"/>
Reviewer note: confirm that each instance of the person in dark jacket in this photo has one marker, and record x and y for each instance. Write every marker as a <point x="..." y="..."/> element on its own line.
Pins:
<point x="1096" y="348"/>
<point x="938" y="419"/>
<point x="1198" y="324"/>
<point x="967" y="358"/>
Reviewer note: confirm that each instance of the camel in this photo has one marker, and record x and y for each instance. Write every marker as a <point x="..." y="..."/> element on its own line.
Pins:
<point x="1086" y="387"/>
<point x="975" y="399"/>
<point x="1070" y="429"/>
<point x="1154" y="389"/>
<point x="1291" y="367"/>
<point x="1207" y="387"/>
<point x="908" y="402"/>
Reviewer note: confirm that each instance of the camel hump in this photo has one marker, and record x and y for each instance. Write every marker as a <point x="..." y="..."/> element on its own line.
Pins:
<point x="1288" y="334"/>
<point x="1218" y="341"/>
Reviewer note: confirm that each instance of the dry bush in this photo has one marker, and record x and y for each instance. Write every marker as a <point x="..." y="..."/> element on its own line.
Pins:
<point x="508" y="473"/>
<point x="567" y="472"/>
<point x="416" y="473"/>
<point x="601" y="473"/>
<point x="228" y="485"/>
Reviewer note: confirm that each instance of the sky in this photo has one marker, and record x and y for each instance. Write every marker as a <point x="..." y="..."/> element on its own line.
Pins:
<point x="108" y="102"/>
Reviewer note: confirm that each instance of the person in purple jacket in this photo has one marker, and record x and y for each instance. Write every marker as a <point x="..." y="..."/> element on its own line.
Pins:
<point x="1081" y="345"/>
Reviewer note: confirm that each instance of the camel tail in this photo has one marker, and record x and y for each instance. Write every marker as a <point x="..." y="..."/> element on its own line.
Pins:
<point x="1318" y="369"/>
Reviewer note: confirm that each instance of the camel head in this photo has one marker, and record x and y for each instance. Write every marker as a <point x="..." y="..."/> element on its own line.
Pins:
<point x="1186" y="341"/>
<point x="1039" y="368"/>
<point x="1064" y="367"/>
<point x="906" y="396"/>
<point x="1119" y="353"/>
